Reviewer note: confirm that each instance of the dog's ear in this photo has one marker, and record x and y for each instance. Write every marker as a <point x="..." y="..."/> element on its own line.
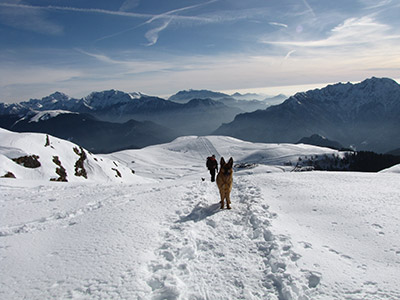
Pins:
<point x="230" y="162"/>
<point x="222" y="161"/>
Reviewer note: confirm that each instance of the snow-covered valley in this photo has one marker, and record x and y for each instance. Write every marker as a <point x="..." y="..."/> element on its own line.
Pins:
<point x="159" y="233"/>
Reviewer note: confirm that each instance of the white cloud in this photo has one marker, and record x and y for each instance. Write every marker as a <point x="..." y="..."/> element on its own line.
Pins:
<point x="173" y="12"/>
<point x="153" y="34"/>
<point x="289" y="54"/>
<point x="373" y="4"/>
<point x="129" y="5"/>
<point x="352" y="32"/>
<point x="129" y="66"/>
<point x="76" y="9"/>
<point x="278" y="24"/>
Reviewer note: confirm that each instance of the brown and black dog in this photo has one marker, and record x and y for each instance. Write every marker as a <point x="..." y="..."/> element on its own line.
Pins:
<point x="225" y="181"/>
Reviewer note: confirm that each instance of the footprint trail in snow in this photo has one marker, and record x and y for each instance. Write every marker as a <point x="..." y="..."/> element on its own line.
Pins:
<point x="242" y="257"/>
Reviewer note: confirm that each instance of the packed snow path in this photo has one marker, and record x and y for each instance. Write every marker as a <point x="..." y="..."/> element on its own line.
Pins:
<point x="235" y="248"/>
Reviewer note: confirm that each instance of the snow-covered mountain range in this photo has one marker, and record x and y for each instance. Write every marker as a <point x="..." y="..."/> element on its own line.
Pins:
<point x="160" y="234"/>
<point x="199" y="116"/>
<point x="363" y="115"/>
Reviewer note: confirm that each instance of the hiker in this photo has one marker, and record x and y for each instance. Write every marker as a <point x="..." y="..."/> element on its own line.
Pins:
<point x="212" y="166"/>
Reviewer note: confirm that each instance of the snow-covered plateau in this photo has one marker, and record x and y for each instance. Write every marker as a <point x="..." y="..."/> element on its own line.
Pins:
<point x="158" y="232"/>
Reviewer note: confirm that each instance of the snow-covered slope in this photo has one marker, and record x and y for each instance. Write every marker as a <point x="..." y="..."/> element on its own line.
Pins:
<point x="43" y="157"/>
<point x="106" y="99"/>
<point x="289" y="235"/>
<point x="186" y="155"/>
<point x="394" y="169"/>
<point x="48" y="114"/>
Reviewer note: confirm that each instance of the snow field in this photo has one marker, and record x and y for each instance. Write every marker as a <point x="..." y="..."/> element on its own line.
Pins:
<point x="344" y="226"/>
<point x="312" y="235"/>
<point x="108" y="243"/>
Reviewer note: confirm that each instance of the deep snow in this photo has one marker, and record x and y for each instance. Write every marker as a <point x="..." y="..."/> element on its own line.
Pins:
<point x="161" y="234"/>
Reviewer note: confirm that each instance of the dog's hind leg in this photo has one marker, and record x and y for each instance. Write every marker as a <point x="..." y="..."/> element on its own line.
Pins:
<point x="228" y="201"/>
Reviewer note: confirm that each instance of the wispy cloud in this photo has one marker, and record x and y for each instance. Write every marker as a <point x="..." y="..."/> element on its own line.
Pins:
<point x="129" y="4"/>
<point x="76" y="9"/>
<point x="35" y="75"/>
<point x="131" y="66"/>
<point x="19" y="16"/>
<point x="173" y="73"/>
<point x="278" y="24"/>
<point x="309" y="8"/>
<point x="373" y="4"/>
<point x="352" y="32"/>
<point x="289" y="54"/>
<point x="104" y="11"/>
<point x="152" y="35"/>
<point x="175" y="11"/>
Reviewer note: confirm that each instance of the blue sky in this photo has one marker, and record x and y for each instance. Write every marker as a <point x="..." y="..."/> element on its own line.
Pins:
<point x="159" y="47"/>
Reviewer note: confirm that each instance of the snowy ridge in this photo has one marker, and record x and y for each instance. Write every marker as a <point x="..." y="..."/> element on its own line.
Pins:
<point x="361" y="116"/>
<point x="289" y="235"/>
<point x="48" y="114"/>
<point x="101" y="100"/>
<point x="51" y="154"/>
<point x="192" y="149"/>
<point x="351" y="97"/>
<point x="394" y="169"/>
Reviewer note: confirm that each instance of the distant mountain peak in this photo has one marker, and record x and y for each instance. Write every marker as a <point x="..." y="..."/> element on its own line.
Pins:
<point x="203" y="102"/>
<point x="351" y="96"/>
<point x="373" y="82"/>
<point x="364" y="115"/>
<point x="186" y="95"/>
<point x="107" y="98"/>
<point x="58" y="96"/>
<point x="319" y="140"/>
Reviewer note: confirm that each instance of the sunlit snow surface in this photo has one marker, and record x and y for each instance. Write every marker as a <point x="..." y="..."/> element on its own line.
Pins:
<point x="161" y="234"/>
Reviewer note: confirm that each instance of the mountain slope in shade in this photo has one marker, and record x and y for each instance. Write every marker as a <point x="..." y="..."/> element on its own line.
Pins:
<point x="246" y="103"/>
<point x="187" y="95"/>
<point x="95" y="135"/>
<point x="364" y="115"/>
<point x="394" y="152"/>
<point x="318" y="140"/>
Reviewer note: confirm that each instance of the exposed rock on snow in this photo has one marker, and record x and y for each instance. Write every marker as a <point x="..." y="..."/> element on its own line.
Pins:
<point x="40" y="157"/>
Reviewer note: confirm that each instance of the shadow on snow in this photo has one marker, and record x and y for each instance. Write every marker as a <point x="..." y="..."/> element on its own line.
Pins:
<point x="200" y="213"/>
